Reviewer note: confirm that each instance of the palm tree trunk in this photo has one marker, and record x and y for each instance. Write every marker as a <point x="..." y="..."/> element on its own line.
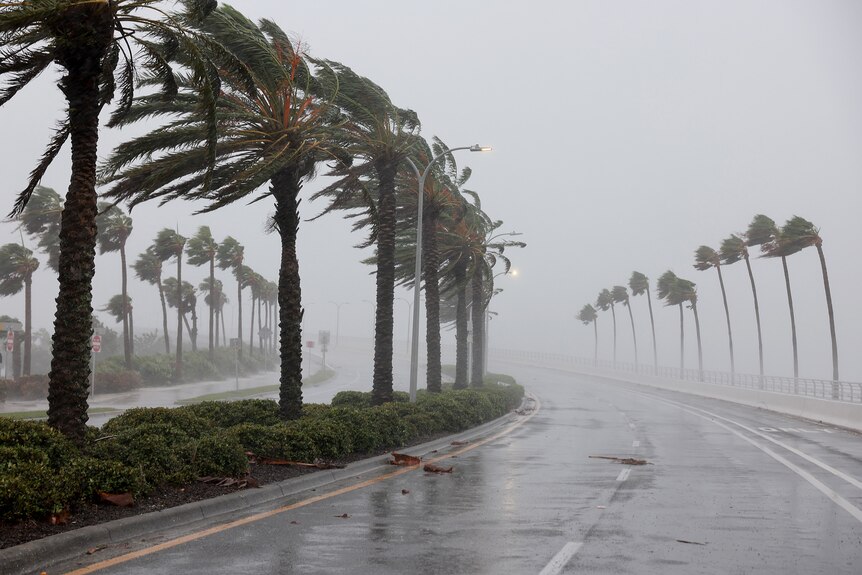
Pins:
<point x="260" y="328"/>
<point x="132" y="330"/>
<point x="239" y="280"/>
<point x="251" y="328"/>
<point x="596" y="343"/>
<point x="384" y="322"/>
<point x="28" y="319"/>
<point x="614" y="315"/>
<point x="431" y="261"/>
<point x="477" y="313"/>
<point x="223" y="329"/>
<point x="652" y="325"/>
<point x="461" y="344"/>
<point x="819" y="246"/>
<point x="285" y="187"/>
<point x="792" y="318"/>
<point x="164" y="317"/>
<point x="727" y="315"/>
<point x="193" y="332"/>
<point x="127" y="340"/>
<point x="188" y="329"/>
<point x="756" y="315"/>
<point x="681" y="344"/>
<point x="212" y="325"/>
<point x="86" y="38"/>
<point x="699" y="345"/>
<point x="634" y="335"/>
<point x="178" y="374"/>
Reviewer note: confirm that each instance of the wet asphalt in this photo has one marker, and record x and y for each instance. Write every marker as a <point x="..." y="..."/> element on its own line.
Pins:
<point x="727" y="489"/>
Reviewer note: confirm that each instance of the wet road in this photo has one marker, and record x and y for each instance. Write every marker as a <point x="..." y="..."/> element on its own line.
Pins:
<point x="728" y="490"/>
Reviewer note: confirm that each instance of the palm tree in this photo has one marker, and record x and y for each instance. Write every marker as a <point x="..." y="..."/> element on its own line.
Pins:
<point x="17" y="265"/>
<point x="605" y="302"/>
<point x="763" y="232"/>
<point x="114" y="229"/>
<point x="706" y="258"/>
<point x="254" y="282"/>
<point x="41" y="220"/>
<point x="170" y="244"/>
<point x="668" y="288"/>
<point x="796" y="235"/>
<point x="230" y="256"/>
<point x="688" y="291"/>
<point x="120" y="310"/>
<point x="186" y="306"/>
<point x="588" y="315"/>
<point x="639" y="285"/>
<point x="90" y="40"/>
<point x="274" y="127"/>
<point x="734" y="249"/>
<point x="214" y="297"/>
<point x="203" y="249"/>
<point x="379" y="135"/>
<point x="621" y="295"/>
<point x="148" y="268"/>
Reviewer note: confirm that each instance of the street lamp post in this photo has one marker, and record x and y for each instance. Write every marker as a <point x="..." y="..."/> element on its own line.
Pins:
<point x="409" y="315"/>
<point x="414" y="348"/>
<point x="513" y="273"/>
<point x="337" y="318"/>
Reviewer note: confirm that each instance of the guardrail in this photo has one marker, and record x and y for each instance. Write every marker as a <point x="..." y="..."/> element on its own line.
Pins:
<point x="847" y="391"/>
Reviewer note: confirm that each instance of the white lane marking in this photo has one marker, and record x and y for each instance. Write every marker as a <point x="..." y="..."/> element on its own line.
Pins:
<point x="624" y="474"/>
<point x="636" y="443"/>
<point x="819" y="485"/>
<point x="561" y="558"/>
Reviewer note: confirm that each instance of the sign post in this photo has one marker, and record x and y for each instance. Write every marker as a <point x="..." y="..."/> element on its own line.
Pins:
<point x="10" y="345"/>
<point x="310" y="345"/>
<point x="95" y="347"/>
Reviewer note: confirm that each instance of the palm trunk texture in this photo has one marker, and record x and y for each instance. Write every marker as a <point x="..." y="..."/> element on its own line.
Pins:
<point x="461" y="345"/>
<point x="819" y="246"/>
<point x="178" y="369"/>
<point x="164" y="317"/>
<point x="28" y="319"/>
<point x="127" y="336"/>
<point x="756" y="314"/>
<point x="381" y="389"/>
<point x="477" y="313"/>
<point x="212" y="325"/>
<point x="727" y="315"/>
<point x="634" y="335"/>
<point x="652" y="326"/>
<point x="792" y="318"/>
<point x="431" y="265"/>
<point x="699" y="344"/>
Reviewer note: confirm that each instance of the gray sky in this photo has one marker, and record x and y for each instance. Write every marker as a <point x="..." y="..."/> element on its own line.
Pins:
<point x="626" y="134"/>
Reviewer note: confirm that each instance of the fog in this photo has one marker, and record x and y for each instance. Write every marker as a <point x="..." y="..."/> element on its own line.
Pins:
<point x="625" y="135"/>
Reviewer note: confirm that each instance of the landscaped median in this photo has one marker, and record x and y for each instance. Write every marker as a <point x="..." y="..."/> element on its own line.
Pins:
<point x="147" y="452"/>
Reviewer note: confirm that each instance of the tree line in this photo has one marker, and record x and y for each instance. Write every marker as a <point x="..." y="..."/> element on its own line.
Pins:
<point x="245" y="115"/>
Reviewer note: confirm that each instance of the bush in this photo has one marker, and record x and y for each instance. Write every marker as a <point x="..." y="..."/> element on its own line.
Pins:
<point x="187" y="421"/>
<point x="198" y="367"/>
<point x="226" y="414"/>
<point x="86" y="476"/>
<point x="220" y="454"/>
<point x="29" y="490"/>
<point x="27" y="387"/>
<point x="281" y="441"/>
<point x="331" y="439"/>
<point x="117" y="381"/>
<point x="154" y="369"/>
<point x="37" y="436"/>
<point x="356" y="399"/>
<point x="160" y="451"/>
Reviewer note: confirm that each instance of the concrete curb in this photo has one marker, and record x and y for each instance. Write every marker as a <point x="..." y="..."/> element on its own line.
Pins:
<point x="39" y="555"/>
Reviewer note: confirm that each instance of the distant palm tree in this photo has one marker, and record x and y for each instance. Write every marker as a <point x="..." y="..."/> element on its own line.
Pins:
<point x="41" y="220"/>
<point x="169" y="244"/>
<point x="114" y="228"/>
<point x="148" y="268"/>
<point x="202" y="249"/>
<point x="185" y="307"/>
<point x="734" y="249"/>
<point x="17" y="265"/>
<point x="589" y="316"/>
<point x="254" y="282"/>
<point x="796" y="235"/>
<point x="689" y="293"/>
<point x="119" y="310"/>
<point x="230" y="256"/>
<point x="214" y="297"/>
<point x="605" y="302"/>
<point x="763" y="232"/>
<point x="706" y="258"/>
<point x="669" y="289"/>
<point x="621" y="295"/>
<point x="639" y="285"/>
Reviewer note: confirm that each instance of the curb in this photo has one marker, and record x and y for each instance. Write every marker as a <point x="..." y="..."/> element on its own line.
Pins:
<point x="38" y="555"/>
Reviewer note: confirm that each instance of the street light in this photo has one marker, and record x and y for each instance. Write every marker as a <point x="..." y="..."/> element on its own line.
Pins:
<point x="338" y="317"/>
<point x="414" y="349"/>
<point x="513" y="273"/>
<point x="409" y="315"/>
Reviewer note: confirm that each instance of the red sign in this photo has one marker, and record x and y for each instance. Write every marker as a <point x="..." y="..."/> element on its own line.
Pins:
<point x="309" y="343"/>
<point x="97" y="343"/>
<point x="10" y="340"/>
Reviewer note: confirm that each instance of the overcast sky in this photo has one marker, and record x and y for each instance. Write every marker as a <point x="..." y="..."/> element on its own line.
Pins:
<point x="625" y="135"/>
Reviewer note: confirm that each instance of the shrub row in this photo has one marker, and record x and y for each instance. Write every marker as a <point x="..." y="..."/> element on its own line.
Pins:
<point x="144" y="448"/>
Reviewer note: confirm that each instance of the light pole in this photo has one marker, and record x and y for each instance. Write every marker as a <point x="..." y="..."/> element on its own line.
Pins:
<point x="409" y="315"/>
<point x="338" y="317"/>
<point x="414" y="348"/>
<point x="513" y="273"/>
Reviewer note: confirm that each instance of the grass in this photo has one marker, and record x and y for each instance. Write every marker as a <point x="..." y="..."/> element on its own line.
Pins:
<point x="42" y="414"/>
<point x="315" y="378"/>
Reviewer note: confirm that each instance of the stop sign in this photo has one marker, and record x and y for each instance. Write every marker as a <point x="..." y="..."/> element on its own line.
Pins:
<point x="97" y="343"/>
<point x="10" y="340"/>
<point x="309" y="344"/>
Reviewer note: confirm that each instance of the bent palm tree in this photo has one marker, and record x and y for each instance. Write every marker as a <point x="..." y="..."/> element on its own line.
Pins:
<point x="114" y="228"/>
<point x="668" y="288"/>
<point x="169" y="244"/>
<point x="186" y="306"/>
<point x="621" y="295"/>
<point x="202" y="249"/>
<point x="605" y="302"/>
<point x="734" y="249"/>
<point x="17" y="265"/>
<point x="230" y="256"/>
<point x="589" y="316"/>
<point x="120" y="309"/>
<point x="688" y="292"/>
<point x="706" y="258"/>
<point x="639" y="285"/>
<point x="41" y="219"/>
<point x="90" y="40"/>
<point x="148" y="268"/>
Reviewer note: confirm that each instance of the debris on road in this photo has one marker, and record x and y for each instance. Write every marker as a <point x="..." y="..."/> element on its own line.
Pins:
<point x="404" y="459"/>
<point x="118" y="499"/>
<point x="405" y="491"/>
<point x="689" y="542"/>
<point x="459" y="443"/>
<point x="92" y="550"/>
<point x="316" y="464"/>
<point x="247" y="481"/>
<point x="622" y="460"/>
<point x="342" y="516"/>
<point x="431" y="468"/>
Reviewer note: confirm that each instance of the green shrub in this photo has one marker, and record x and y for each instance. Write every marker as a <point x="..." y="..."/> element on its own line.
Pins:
<point x="154" y="369"/>
<point x="226" y="414"/>
<point x="358" y="424"/>
<point x="331" y="439"/>
<point x="400" y="397"/>
<point x="14" y="455"/>
<point x="356" y="399"/>
<point x="315" y="409"/>
<point x="161" y="451"/>
<point x="27" y="387"/>
<point x="220" y="454"/>
<point x="198" y="367"/>
<point x="38" y="436"/>
<point x="117" y="381"/>
<point x="282" y="441"/>
<point x="86" y="476"/>
<point x="29" y="490"/>
<point x="191" y="424"/>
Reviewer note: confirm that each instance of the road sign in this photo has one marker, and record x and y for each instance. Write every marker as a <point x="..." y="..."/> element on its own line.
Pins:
<point x="309" y="344"/>
<point x="10" y="340"/>
<point x="97" y="344"/>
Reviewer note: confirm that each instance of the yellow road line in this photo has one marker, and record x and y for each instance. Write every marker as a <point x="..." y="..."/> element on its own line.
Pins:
<point x="265" y="514"/>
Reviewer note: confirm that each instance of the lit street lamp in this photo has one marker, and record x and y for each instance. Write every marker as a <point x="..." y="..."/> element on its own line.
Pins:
<point x="338" y="317"/>
<point x="414" y="349"/>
